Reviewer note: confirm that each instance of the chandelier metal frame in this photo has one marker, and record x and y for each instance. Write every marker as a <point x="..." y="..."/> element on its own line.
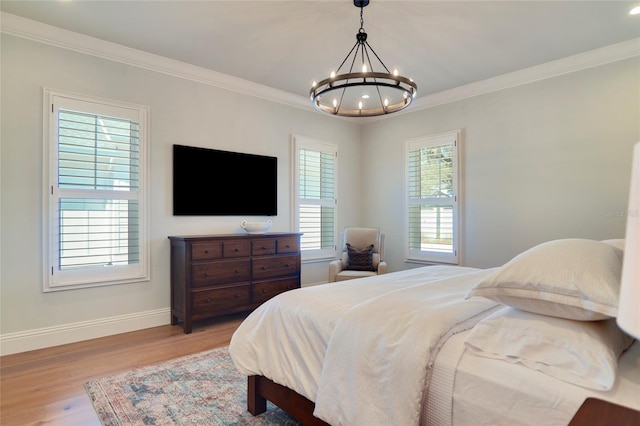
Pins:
<point x="367" y="77"/>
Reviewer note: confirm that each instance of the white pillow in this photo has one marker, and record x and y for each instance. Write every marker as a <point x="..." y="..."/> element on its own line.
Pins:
<point x="584" y="353"/>
<point x="616" y="242"/>
<point x="571" y="278"/>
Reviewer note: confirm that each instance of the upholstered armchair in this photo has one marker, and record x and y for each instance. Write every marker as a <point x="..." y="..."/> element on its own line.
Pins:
<point x="362" y="255"/>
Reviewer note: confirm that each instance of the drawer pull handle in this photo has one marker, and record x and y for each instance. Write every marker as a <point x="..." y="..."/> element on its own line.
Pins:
<point x="264" y="290"/>
<point x="237" y="271"/>
<point x="264" y="268"/>
<point x="236" y="249"/>
<point x="206" y="252"/>
<point x="287" y="265"/>
<point x="287" y="246"/>
<point x="208" y="300"/>
<point x="264" y="248"/>
<point x="237" y="296"/>
<point x="206" y="274"/>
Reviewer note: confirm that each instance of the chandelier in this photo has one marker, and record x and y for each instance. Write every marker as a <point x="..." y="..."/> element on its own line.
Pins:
<point x="364" y="93"/>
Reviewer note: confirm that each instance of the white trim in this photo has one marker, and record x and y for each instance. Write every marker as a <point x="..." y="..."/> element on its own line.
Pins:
<point x="11" y="343"/>
<point x="298" y="142"/>
<point x="84" y="278"/>
<point x="48" y="34"/>
<point x="593" y="58"/>
<point x="426" y="256"/>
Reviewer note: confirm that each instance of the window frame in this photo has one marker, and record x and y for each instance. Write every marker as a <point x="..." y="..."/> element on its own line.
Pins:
<point x="55" y="279"/>
<point x="453" y="138"/>
<point x="302" y="142"/>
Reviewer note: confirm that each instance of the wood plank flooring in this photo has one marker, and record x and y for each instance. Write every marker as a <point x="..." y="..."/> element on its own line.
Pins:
<point x="46" y="386"/>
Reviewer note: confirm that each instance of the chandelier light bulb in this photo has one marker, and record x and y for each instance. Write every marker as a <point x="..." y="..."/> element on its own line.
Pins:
<point x="335" y="102"/>
<point x="635" y="11"/>
<point x="333" y="74"/>
<point x="395" y="71"/>
<point x="364" y="67"/>
<point x="386" y="102"/>
<point x="360" y="105"/>
<point x="314" y="84"/>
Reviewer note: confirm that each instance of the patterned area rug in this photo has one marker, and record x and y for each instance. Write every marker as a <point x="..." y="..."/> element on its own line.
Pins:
<point x="200" y="389"/>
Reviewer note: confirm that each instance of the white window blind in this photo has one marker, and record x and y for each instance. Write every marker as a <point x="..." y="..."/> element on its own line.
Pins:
<point x="432" y="198"/>
<point x="315" y="179"/>
<point x="95" y="223"/>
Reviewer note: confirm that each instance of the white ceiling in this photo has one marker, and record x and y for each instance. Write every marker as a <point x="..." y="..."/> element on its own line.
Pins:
<point x="288" y="44"/>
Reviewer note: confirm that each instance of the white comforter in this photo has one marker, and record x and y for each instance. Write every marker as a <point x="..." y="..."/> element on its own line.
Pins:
<point x="360" y="349"/>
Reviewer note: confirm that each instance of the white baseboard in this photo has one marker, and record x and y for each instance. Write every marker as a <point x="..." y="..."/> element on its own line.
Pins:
<point x="11" y="343"/>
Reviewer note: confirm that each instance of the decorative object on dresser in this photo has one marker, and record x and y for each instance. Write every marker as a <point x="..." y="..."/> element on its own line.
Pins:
<point x="255" y="227"/>
<point x="214" y="275"/>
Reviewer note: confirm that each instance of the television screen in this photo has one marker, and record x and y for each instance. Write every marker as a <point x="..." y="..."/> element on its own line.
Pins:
<point x="210" y="182"/>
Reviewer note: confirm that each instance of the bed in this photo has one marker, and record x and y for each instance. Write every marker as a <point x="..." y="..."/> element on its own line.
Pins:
<point x="524" y="343"/>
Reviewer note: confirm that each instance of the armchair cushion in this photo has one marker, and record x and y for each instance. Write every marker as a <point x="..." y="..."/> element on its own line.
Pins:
<point x="359" y="259"/>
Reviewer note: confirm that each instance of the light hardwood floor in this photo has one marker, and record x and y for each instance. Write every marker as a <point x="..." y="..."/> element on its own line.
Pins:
<point x="46" y="386"/>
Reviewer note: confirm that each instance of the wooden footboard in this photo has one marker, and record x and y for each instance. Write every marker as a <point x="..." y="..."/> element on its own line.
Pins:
<point x="260" y="389"/>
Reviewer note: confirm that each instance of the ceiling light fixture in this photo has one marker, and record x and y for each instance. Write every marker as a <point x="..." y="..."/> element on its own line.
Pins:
<point x="342" y="94"/>
<point x="635" y="11"/>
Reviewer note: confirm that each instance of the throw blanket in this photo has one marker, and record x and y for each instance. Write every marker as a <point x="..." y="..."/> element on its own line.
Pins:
<point x="381" y="351"/>
<point x="360" y="349"/>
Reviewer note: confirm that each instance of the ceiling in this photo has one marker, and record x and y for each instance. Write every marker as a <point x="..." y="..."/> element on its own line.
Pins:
<point x="288" y="44"/>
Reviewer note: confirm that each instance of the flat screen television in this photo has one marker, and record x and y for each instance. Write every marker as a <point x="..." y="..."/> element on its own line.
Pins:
<point x="211" y="182"/>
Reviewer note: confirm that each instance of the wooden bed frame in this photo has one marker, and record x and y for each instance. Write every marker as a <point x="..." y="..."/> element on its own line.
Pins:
<point x="260" y="389"/>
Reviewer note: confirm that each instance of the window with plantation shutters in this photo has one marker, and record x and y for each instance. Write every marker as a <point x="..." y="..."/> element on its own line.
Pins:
<point x="432" y="198"/>
<point x="315" y="203"/>
<point x="95" y="227"/>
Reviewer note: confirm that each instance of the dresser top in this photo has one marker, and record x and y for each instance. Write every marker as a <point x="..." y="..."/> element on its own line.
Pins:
<point x="228" y="236"/>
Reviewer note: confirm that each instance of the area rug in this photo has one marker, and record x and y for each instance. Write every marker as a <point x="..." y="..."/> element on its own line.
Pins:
<point x="199" y="389"/>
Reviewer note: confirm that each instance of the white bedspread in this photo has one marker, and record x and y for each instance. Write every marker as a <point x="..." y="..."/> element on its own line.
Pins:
<point x="360" y="349"/>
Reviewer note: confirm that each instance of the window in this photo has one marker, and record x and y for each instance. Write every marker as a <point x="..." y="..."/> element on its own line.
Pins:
<point x="315" y="203"/>
<point x="432" y="198"/>
<point x="95" y="192"/>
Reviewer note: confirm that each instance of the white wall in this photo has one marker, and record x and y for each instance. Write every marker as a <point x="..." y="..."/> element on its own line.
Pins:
<point x="542" y="161"/>
<point x="182" y="111"/>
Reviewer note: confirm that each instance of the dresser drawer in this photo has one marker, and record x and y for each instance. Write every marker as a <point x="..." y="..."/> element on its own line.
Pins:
<point x="263" y="246"/>
<point x="288" y="245"/>
<point x="221" y="299"/>
<point x="206" y="251"/>
<point x="265" y="290"/>
<point x="237" y="248"/>
<point x="277" y="266"/>
<point x="221" y="272"/>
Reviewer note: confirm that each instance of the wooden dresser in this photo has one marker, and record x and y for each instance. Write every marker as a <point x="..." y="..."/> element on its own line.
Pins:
<point x="215" y="275"/>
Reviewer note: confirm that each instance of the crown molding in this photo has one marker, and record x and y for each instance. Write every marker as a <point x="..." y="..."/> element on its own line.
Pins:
<point x="43" y="33"/>
<point x="593" y="58"/>
<point x="47" y="34"/>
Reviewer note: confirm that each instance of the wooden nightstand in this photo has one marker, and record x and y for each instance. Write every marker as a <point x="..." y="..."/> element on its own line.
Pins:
<point x="596" y="412"/>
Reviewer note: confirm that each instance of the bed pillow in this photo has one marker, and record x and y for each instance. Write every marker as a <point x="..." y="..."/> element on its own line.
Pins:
<point x="359" y="259"/>
<point x="575" y="279"/>
<point x="584" y="353"/>
<point x="616" y="242"/>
